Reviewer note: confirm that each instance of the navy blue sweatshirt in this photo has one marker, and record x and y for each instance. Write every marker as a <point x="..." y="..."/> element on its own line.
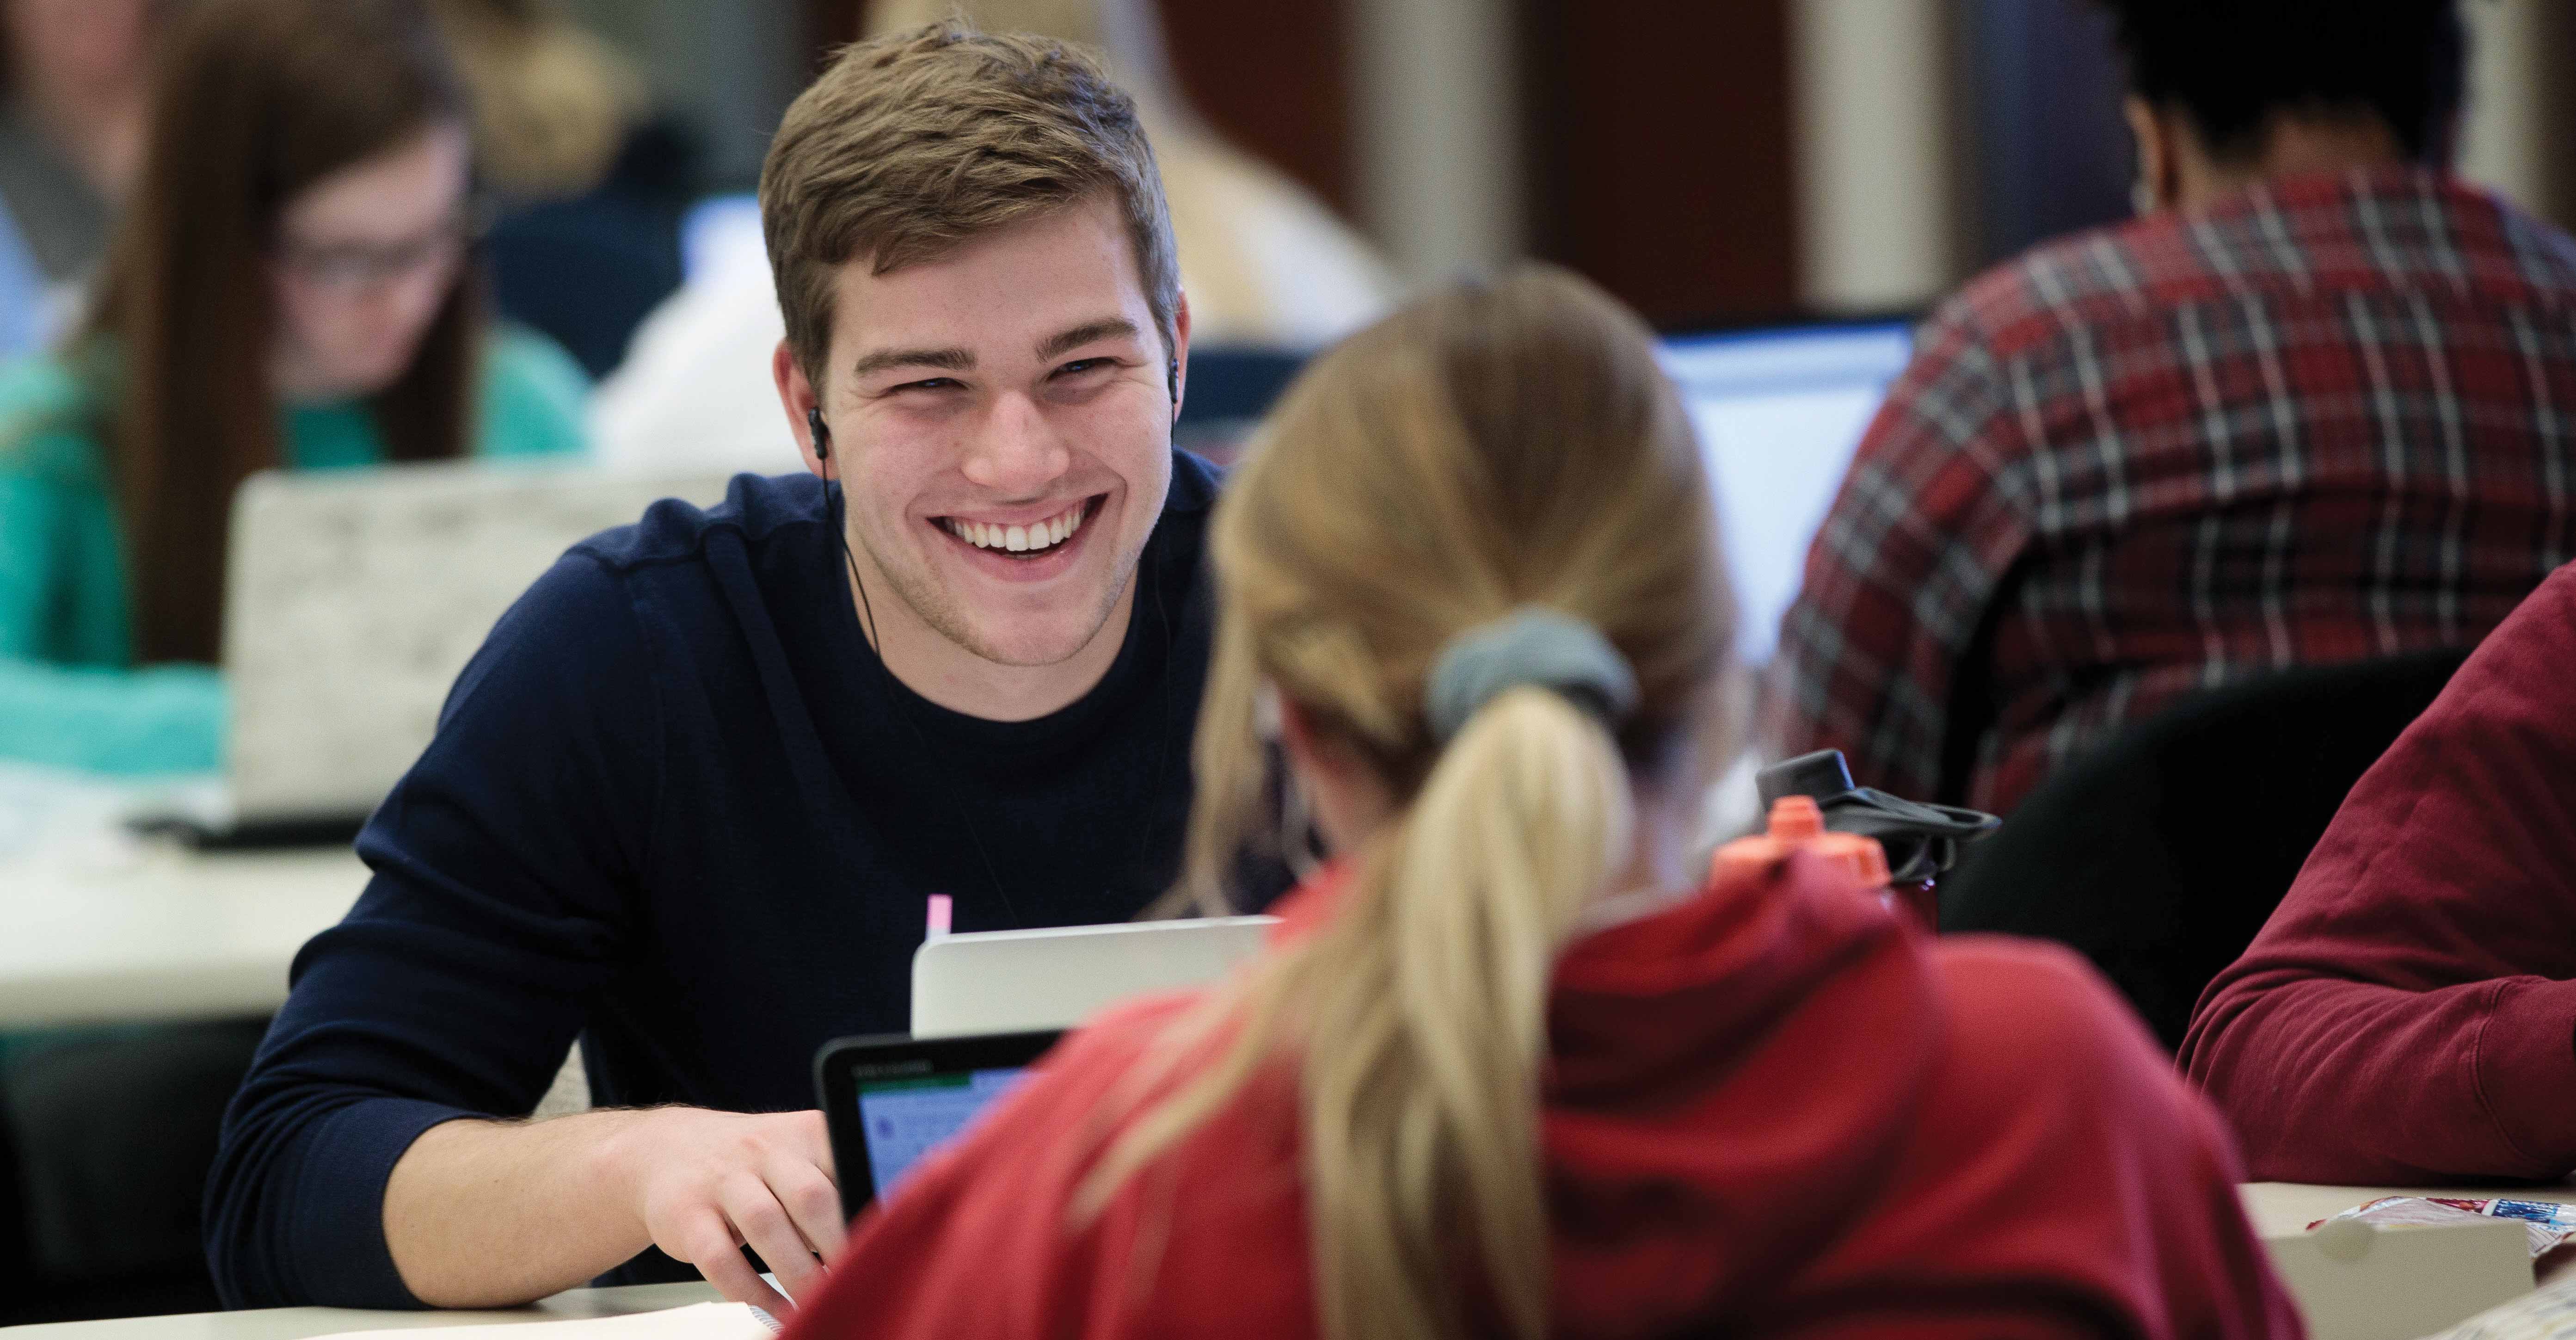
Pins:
<point x="675" y="806"/>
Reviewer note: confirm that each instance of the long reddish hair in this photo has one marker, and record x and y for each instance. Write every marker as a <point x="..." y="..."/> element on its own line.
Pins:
<point x="254" y="100"/>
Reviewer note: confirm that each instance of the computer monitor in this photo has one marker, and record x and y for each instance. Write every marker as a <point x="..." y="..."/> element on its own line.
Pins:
<point x="1779" y="410"/>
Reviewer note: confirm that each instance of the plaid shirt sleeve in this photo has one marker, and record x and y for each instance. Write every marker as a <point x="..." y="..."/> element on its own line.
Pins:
<point x="1904" y="567"/>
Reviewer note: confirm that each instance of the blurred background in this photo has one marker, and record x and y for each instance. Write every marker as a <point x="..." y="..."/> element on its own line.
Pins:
<point x="1753" y="158"/>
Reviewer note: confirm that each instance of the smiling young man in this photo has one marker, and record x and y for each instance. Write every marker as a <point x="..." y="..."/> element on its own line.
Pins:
<point x="689" y="800"/>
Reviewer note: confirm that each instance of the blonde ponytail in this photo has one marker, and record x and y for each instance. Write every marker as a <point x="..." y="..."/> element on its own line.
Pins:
<point x="1520" y="826"/>
<point x="1474" y="546"/>
<point x="1420" y="1017"/>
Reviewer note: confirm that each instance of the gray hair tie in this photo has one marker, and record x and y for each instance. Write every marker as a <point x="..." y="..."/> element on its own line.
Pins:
<point x="1532" y="645"/>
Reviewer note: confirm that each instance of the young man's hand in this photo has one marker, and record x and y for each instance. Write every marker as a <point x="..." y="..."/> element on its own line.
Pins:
<point x="499" y="1213"/>
<point x="705" y="1184"/>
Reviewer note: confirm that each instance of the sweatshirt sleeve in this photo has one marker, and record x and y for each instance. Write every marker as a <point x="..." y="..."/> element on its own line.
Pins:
<point x="505" y="863"/>
<point x="533" y="396"/>
<point x="132" y="723"/>
<point x="67" y="698"/>
<point x="2407" y="1014"/>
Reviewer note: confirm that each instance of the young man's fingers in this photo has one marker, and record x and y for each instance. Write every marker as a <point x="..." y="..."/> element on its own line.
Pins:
<point x="814" y="1204"/>
<point x="707" y="1242"/>
<point x="763" y="1223"/>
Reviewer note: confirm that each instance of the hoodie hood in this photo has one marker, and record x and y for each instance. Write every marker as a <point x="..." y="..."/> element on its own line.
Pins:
<point x="1733" y="1079"/>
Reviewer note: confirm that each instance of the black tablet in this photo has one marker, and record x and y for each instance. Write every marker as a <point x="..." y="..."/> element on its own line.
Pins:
<point x="889" y="1100"/>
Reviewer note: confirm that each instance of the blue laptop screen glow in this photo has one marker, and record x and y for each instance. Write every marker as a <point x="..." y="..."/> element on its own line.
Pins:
<point x="908" y="1118"/>
<point x="1779" y="413"/>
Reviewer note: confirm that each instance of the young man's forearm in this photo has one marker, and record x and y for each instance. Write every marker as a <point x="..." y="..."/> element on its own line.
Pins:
<point x="494" y="1214"/>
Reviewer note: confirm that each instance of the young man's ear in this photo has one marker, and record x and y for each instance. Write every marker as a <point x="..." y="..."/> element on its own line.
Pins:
<point x="803" y="404"/>
<point x="1180" y="371"/>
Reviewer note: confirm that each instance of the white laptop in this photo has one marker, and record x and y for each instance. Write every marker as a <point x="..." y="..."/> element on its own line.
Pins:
<point x="1780" y="411"/>
<point x="354" y="597"/>
<point x="1023" y="981"/>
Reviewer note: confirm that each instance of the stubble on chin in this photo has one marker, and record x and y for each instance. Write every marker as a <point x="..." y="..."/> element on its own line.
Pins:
<point x="930" y="600"/>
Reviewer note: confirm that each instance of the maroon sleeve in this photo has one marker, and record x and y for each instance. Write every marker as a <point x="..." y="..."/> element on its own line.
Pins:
<point x="1900" y="574"/>
<point x="2407" y="1015"/>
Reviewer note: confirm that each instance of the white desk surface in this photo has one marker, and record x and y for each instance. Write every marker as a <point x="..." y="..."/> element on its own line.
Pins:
<point x="297" y="1323"/>
<point x="2275" y="1207"/>
<point x="2289" y="1207"/>
<point x="154" y="932"/>
<point x="2279" y="1208"/>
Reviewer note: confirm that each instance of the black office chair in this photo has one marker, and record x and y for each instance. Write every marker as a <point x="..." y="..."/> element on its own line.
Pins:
<point x="105" y="1139"/>
<point x="2159" y="855"/>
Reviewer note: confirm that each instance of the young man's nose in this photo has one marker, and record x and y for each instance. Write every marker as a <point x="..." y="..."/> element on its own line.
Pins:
<point x="1016" y="451"/>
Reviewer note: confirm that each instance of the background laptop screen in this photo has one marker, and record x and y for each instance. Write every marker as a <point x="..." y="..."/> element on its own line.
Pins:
<point x="1779" y="412"/>
<point x="907" y="1118"/>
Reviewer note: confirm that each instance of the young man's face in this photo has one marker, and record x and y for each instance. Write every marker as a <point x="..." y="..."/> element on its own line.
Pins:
<point x="1002" y="420"/>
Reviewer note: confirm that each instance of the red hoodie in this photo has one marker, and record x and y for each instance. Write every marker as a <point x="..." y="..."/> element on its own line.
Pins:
<point x="1772" y="1108"/>
<point x="2408" y="1015"/>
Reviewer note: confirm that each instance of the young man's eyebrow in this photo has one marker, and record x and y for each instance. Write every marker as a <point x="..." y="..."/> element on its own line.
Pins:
<point x="1083" y="334"/>
<point x="947" y="360"/>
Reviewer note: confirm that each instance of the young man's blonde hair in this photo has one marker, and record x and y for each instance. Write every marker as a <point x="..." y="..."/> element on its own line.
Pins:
<point x="912" y="144"/>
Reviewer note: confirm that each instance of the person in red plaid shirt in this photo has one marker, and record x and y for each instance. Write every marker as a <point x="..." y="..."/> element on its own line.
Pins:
<point x="2316" y="404"/>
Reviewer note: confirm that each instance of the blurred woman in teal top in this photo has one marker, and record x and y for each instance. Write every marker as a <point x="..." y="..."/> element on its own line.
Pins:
<point x="293" y="285"/>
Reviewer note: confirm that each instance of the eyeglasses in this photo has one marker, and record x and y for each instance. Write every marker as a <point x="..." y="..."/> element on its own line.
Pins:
<point x="354" y="267"/>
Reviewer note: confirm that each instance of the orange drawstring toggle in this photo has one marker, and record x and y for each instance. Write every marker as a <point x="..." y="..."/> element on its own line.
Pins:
<point x="1797" y="825"/>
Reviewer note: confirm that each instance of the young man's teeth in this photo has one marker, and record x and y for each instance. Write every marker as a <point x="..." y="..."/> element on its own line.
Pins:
<point x="1045" y="534"/>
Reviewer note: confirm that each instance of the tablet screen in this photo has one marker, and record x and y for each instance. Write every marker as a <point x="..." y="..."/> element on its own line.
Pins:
<point x="907" y="1118"/>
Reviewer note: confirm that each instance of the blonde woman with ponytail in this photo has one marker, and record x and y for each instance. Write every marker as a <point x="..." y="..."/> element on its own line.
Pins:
<point x="1511" y="1068"/>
